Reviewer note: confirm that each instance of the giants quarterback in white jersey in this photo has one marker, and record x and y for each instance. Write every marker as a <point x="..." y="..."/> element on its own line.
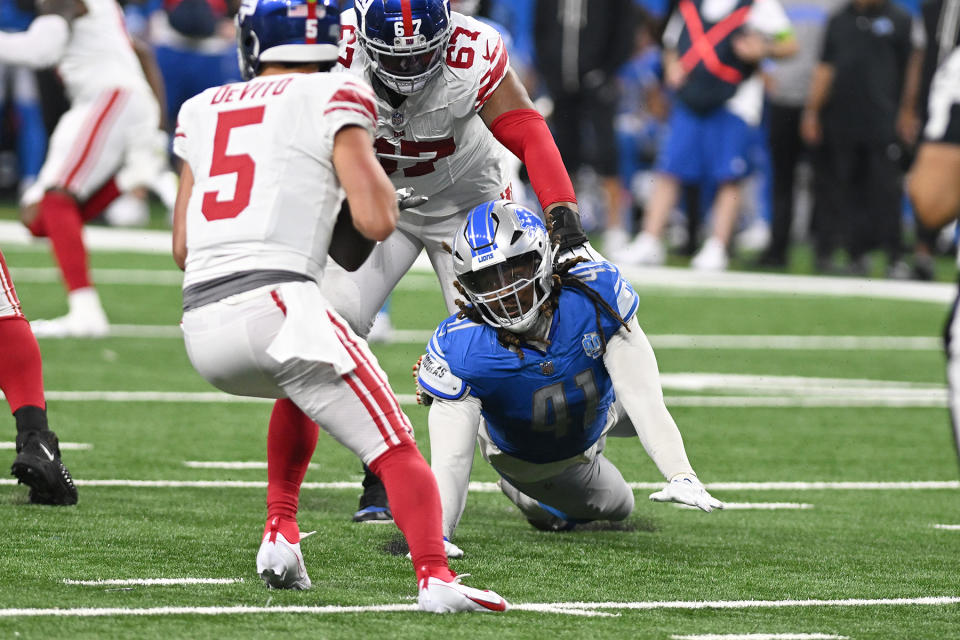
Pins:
<point x="267" y="165"/>
<point x="934" y="188"/>
<point x="445" y="94"/>
<point x="112" y="127"/>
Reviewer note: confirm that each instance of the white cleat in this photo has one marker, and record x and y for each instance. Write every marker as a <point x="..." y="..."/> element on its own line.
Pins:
<point x="437" y="596"/>
<point x="72" y="325"/>
<point x="280" y="564"/>
<point x="711" y="257"/>
<point x="645" y="250"/>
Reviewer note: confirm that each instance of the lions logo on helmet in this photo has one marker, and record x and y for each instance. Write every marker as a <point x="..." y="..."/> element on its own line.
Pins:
<point x="503" y="258"/>
<point x="295" y="31"/>
<point x="404" y="39"/>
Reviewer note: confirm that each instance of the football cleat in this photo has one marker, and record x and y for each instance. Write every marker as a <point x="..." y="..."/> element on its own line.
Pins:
<point x="439" y="596"/>
<point x="280" y="564"/>
<point x="373" y="502"/>
<point x="38" y="466"/>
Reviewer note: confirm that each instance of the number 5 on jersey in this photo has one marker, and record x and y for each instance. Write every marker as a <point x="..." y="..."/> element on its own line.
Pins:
<point x="223" y="164"/>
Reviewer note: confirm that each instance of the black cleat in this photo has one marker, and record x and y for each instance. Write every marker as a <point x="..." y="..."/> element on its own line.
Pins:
<point x="373" y="502"/>
<point x="38" y="466"/>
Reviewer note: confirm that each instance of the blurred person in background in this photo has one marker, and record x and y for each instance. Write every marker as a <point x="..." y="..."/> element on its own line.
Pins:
<point x="712" y="51"/>
<point x="941" y="24"/>
<point x="579" y="48"/>
<point x="860" y="112"/>
<point x="788" y="81"/>
<point x="20" y="95"/>
<point x="934" y="188"/>
<point x="112" y="124"/>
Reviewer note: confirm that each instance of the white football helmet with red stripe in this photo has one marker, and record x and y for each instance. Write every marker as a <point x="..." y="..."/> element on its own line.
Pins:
<point x="405" y="40"/>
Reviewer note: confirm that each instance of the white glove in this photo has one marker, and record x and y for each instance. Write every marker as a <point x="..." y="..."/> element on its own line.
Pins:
<point x="685" y="488"/>
<point x="452" y="550"/>
<point x="406" y="199"/>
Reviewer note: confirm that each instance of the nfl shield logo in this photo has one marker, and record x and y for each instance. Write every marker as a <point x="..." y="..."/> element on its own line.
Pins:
<point x="592" y="345"/>
<point x="546" y="368"/>
<point x="397" y="119"/>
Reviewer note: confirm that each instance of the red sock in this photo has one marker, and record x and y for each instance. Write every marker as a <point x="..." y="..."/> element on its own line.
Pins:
<point x="415" y="503"/>
<point x="21" y="374"/>
<point x="100" y="200"/>
<point x="60" y="219"/>
<point x="291" y="440"/>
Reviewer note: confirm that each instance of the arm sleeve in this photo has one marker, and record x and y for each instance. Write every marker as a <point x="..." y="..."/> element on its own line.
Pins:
<point x="453" y="429"/>
<point x="525" y="133"/>
<point x="636" y="380"/>
<point x="40" y="46"/>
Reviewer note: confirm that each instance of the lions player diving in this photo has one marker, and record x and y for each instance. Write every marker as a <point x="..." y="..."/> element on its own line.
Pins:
<point x="545" y="362"/>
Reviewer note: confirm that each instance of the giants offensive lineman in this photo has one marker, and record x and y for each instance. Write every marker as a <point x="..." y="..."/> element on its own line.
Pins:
<point x="113" y="123"/>
<point x="445" y="94"/>
<point x="934" y="187"/>
<point x="545" y="363"/>
<point x="266" y="166"/>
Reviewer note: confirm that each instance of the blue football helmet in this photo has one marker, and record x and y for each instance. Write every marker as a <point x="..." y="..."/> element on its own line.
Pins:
<point x="503" y="258"/>
<point x="404" y="39"/>
<point x="286" y="31"/>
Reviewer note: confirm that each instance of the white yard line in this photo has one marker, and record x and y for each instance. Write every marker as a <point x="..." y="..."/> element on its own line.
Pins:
<point x="756" y="506"/>
<point x="947" y="527"/>
<point x="213" y="464"/>
<point x="491" y="487"/>
<point x="151" y="582"/>
<point x="760" y="636"/>
<point x="153" y="277"/>
<point x="64" y="446"/>
<point x="665" y="279"/>
<point x="574" y="608"/>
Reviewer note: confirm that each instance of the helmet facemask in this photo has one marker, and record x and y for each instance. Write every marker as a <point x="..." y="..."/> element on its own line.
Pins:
<point x="504" y="262"/>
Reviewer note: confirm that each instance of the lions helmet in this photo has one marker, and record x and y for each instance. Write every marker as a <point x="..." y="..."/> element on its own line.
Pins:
<point x="297" y="31"/>
<point x="404" y="39"/>
<point x="503" y="259"/>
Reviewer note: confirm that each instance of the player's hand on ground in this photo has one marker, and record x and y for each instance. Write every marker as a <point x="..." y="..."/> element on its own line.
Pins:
<point x="406" y="199"/>
<point x="452" y="550"/>
<point x="685" y="488"/>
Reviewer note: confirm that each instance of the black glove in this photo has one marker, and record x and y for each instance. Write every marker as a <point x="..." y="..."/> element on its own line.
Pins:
<point x="567" y="230"/>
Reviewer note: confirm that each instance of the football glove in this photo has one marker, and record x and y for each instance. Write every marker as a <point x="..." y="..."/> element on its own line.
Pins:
<point x="685" y="488"/>
<point x="406" y="199"/>
<point x="423" y="398"/>
<point x="567" y="230"/>
<point x="452" y="550"/>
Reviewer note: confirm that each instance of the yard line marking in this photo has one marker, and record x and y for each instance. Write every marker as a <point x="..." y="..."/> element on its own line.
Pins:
<point x="787" y="342"/>
<point x="761" y="636"/>
<point x="491" y="487"/>
<point x="947" y="527"/>
<point x="66" y="446"/>
<point x="575" y="608"/>
<point x="663" y="280"/>
<point x="150" y="582"/>
<point x="160" y="277"/>
<point x="760" y="506"/>
<point x="225" y="464"/>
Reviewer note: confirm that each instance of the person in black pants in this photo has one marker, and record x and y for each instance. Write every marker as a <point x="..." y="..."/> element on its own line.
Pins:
<point x="861" y="107"/>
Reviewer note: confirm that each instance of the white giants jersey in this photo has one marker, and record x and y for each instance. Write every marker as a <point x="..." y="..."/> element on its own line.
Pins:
<point x="265" y="193"/>
<point x="434" y="141"/>
<point x="99" y="54"/>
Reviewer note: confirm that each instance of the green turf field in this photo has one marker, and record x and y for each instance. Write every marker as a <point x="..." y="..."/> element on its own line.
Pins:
<point x="836" y="559"/>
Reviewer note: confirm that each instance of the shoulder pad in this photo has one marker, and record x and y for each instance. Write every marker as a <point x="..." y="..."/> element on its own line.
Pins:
<point x="435" y="378"/>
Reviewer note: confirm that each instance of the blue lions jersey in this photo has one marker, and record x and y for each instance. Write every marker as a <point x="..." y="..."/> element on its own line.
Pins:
<point x="546" y="406"/>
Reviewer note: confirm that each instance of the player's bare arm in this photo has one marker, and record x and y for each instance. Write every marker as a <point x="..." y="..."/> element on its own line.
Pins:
<point x="510" y="96"/>
<point x="933" y="183"/>
<point x="148" y="62"/>
<point x="180" y="216"/>
<point x="372" y="199"/>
